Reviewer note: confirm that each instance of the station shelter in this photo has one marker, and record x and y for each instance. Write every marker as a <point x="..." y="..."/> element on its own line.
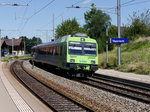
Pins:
<point x="12" y="47"/>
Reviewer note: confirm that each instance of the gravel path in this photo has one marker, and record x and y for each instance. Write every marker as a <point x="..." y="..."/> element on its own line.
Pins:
<point x="99" y="100"/>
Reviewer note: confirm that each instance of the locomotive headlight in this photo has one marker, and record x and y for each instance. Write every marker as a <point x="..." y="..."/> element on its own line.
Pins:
<point x="92" y="62"/>
<point x="72" y="60"/>
<point x="82" y="39"/>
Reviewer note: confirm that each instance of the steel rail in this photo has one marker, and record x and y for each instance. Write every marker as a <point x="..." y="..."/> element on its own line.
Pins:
<point x="117" y="89"/>
<point x="52" y="98"/>
<point x="131" y="83"/>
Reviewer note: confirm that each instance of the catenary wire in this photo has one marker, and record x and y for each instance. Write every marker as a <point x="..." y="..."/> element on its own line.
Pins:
<point x="24" y="16"/>
<point x="37" y="12"/>
<point x="142" y="2"/>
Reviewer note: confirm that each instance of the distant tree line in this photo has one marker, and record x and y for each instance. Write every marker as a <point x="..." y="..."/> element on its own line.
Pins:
<point x="95" y="22"/>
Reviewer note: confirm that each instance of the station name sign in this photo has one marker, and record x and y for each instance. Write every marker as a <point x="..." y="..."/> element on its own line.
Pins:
<point x="119" y="40"/>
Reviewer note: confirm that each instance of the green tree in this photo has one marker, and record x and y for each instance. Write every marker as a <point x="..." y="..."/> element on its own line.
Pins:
<point x="113" y="32"/>
<point x="36" y="40"/>
<point x="68" y="27"/>
<point x="95" y="25"/>
<point x="31" y="42"/>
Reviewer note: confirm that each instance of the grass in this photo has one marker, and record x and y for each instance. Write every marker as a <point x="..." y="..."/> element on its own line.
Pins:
<point x="135" y="57"/>
<point x="9" y="58"/>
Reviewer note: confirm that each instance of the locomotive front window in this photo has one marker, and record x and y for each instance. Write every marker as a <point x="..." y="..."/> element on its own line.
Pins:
<point x="90" y="49"/>
<point x="82" y="48"/>
<point x="75" y="48"/>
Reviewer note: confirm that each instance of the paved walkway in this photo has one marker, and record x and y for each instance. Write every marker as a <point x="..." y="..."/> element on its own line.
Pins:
<point x="10" y="100"/>
<point x="6" y="103"/>
<point x="14" y="97"/>
<point x="129" y="76"/>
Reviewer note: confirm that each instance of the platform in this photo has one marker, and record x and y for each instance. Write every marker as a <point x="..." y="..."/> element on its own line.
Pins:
<point x="16" y="98"/>
<point x="129" y="76"/>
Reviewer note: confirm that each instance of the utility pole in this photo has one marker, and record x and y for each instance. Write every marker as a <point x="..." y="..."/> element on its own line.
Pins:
<point x="118" y="24"/>
<point x="24" y="47"/>
<point x="12" y="46"/>
<point x="53" y="26"/>
<point x="4" y="4"/>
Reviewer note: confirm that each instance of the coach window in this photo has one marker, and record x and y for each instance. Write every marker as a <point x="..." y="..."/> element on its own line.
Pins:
<point x="46" y="50"/>
<point x="49" y="50"/>
<point x="53" y="51"/>
<point x="59" y="50"/>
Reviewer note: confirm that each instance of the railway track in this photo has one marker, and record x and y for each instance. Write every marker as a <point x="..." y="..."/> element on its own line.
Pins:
<point x="126" y="88"/>
<point x="121" y="87"/>
<point x="55" y="100"/>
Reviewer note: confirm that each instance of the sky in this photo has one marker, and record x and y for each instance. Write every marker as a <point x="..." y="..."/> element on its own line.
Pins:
<point x="36" y="19"/>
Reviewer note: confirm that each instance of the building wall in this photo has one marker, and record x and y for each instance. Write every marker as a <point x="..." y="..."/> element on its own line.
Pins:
<point x="18" y="52"/>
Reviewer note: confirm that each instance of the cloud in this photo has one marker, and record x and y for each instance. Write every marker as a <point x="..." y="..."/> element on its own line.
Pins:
<point x="86" y="1"/>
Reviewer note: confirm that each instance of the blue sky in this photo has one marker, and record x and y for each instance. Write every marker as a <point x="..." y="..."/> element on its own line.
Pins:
<point x="35" y="20"/>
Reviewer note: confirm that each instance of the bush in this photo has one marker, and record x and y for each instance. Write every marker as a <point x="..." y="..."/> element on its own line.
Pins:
<point x="140" y="68"/>
<point x="112" y="61"/>
<point x="139" y="25"/>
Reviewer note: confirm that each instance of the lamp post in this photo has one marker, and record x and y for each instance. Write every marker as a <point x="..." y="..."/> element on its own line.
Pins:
<point x="5" y="4"/>
<point x="106" y="26"/>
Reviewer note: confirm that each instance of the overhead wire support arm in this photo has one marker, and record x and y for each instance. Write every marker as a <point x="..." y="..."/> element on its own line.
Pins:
<point x="91" y="7"/>
<point x="5" y="4"/>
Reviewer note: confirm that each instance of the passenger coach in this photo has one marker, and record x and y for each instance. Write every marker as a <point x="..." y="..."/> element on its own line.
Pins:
<point x="76" y="54"/>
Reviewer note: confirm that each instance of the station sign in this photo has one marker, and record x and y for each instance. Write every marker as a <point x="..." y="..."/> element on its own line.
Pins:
<point x="5" y="52"/>
<point x="119" y="40"/>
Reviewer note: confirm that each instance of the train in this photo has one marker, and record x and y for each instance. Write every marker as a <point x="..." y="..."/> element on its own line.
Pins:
<point x="75" y="54"/>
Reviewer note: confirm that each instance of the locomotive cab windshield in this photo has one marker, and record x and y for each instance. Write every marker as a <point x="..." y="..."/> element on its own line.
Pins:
<point x="82" y="48"/>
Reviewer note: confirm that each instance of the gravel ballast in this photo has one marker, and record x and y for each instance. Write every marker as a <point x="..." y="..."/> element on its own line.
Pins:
<point x="98" y="100"/>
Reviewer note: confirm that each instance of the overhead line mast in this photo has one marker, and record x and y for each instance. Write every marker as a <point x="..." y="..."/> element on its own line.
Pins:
<point x="6" y="4"/>
<point x="118" y="24"/>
